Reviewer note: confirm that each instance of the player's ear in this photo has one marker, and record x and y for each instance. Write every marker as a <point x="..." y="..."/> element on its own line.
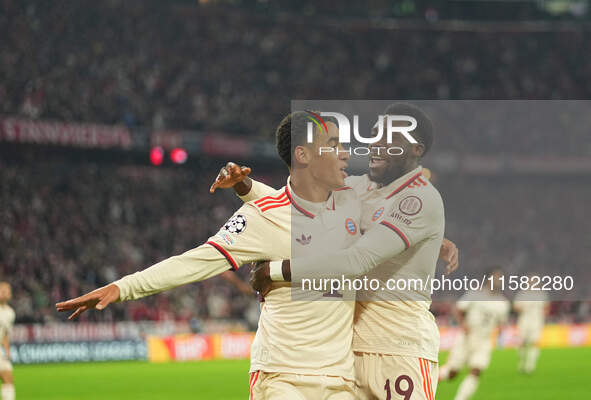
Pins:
<point x="418" y="149"/>
<point x="301" y="154"/>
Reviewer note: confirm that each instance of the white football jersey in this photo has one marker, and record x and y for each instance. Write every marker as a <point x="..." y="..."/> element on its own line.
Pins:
<point x="485" y="311"/>
<point x="303" y="336"/>
<point x="399" y="322"/>
<point x="530" y="305"/>
<point x="301" y="332"/>
<point x="6" y="323"/>
<point x="404" y="224"/>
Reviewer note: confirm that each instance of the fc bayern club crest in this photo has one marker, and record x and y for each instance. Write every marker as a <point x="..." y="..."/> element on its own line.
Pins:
<point x="376" y="215"/>
<point x="236" y="224"/>
<point x="350" y="226"/>
<point x="410" y="205"/>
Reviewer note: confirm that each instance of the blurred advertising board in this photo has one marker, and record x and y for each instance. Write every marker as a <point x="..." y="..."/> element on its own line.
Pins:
<point x="64" y="133"/>
<point x="105" y="342"/>
<point x="558" y="335"/>
<point x="59" y="352"/>
<point x="199" y="347"/>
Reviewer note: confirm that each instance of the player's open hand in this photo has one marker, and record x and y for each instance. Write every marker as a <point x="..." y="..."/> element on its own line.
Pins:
<point x="260" y="277"/>
<point x="229" y="176"/>
<point x="450" y="254"/>
<point x="97" y="299"/>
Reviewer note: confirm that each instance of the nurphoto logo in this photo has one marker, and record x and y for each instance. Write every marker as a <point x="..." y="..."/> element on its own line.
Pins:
<point x="391" y="122"/>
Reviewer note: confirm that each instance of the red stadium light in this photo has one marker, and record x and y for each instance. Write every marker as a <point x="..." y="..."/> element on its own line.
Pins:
<point x="157" y="155"/>
<point x="178" y="155"/>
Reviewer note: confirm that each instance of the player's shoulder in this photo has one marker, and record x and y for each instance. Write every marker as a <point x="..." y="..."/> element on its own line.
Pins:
<point x="8" y="311"/>
<point x="358" y="183"/>
<point x="266" y="213"/>
<point x="501" y="301"/>
<point x="478" y="299"/>
<point x="506" y="305"/>
<point x="423" y="188"/>
<point x="469" y="296"/>
<point x="346" y="196"/>
<point x="523" y="296"/>
<point x="417" y="197"/>
<point x="274" y="203"/>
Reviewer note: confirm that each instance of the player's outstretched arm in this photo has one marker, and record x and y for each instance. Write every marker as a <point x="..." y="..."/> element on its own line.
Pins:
<point x="194" y="265"/>
<point x="236" y="177"/>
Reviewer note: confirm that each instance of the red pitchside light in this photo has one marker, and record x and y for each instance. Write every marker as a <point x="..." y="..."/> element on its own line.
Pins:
<point x="178" y="155"/>
<point x="156" y="155"/>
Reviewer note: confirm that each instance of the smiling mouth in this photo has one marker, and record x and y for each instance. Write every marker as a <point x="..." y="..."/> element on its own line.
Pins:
<point x="343" y="172"/>
<point x="376" y="161"/>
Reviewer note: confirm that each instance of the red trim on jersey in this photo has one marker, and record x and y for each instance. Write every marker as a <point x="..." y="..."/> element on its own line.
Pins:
<point x="398" y="232"/>
<point x="420" y="179"/>
<point x="224" y="253"/>
<point x="269" y="198"/>
<point x="343" y="188"/>
<point x="405" y="184"/>
<point x="286" y="203"/>
<point x="273" y="201"/>
<point x="269" y="202"/>
<point x="298" y="207"/>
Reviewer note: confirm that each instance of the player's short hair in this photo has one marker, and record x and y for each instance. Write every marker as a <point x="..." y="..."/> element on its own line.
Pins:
<point x="292" y="131"/>
<point x="495" y="268"/>
<point x="424" y="130"/>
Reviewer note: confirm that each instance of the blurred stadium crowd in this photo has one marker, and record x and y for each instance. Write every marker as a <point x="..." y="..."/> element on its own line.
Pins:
<point x="68" y="227"/>
<point x="150" y="64"/>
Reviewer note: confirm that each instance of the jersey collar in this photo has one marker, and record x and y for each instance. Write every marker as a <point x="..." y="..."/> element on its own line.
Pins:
<point x="306" y="207"/>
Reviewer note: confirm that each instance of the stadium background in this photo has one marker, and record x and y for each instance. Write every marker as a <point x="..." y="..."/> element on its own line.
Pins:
<point x="88" y="89"/>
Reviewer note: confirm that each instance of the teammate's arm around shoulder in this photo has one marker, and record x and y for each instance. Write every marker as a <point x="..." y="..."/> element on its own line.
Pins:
<point x="407" y="222"/>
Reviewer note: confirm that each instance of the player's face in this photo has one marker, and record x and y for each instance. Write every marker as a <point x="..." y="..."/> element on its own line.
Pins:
<point x="328" y="167"/>
<point x="386" y="166"/>
<point x="5" y="293"/>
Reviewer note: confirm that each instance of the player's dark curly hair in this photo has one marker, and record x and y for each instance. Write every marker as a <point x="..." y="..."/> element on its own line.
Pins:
<point x="292" y="132"/>
<point x="283" y="134"/>
<point x="492" y="269"/>
<point x="424" y="130"/>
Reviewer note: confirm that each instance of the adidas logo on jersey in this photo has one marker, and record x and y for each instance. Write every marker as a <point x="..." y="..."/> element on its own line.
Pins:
<point x="304" y="240"/>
